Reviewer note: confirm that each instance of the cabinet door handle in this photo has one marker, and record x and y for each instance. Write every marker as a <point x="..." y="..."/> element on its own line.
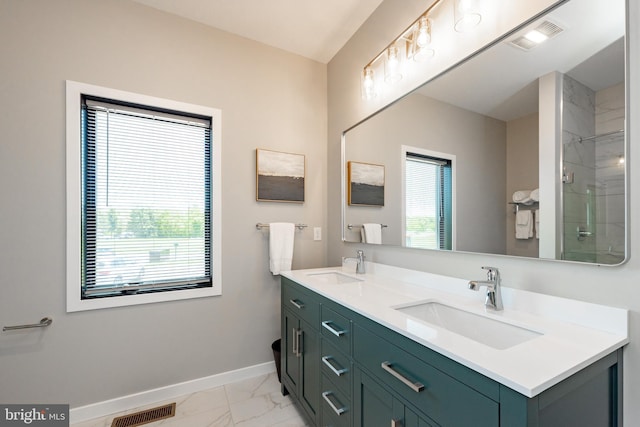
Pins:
<point x="327" y="326"/>
<point x="297" y="304"/>
<point x="339" y="411"/>
<point x="299" y="338"/>
<point x="415" y="386"/>
<point x="338" y="372"/>
<point x="294" y="341"/>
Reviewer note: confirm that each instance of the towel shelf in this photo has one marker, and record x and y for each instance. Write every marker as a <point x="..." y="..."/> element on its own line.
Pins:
<point x="352" y="226"/>
<point x="260" y="226"/>
<point x="516" y="205"/>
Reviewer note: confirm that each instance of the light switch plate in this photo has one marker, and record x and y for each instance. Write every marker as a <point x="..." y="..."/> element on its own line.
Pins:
<point x="317" y="233"/>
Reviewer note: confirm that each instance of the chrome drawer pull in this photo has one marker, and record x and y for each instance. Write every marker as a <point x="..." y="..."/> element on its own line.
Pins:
<point x="328" y="327"/>
<point x="294" y="342"/>
<point x="297" y="304"/>
<point x="338" y="372"/>
<point x="339" y="411"/>
<point x="415" y="386"/>
<point x="300" y="342"/>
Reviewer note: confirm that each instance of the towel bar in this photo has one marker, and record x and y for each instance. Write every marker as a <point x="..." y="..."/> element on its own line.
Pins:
<point x="45" y="321"/>
<point x="261" y="225"/>
<point x="352" y="226"/>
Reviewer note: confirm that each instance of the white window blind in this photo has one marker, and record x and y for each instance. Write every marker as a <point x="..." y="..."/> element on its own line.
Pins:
<point x="428" y="201"/>
<point x="146" y="198"/>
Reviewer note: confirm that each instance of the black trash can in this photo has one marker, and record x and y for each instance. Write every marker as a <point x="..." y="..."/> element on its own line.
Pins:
<point x="276" y="356"/>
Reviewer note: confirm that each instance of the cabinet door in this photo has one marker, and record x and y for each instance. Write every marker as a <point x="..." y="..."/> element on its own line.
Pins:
<point x="445" y="399"/>
<point x="375" y="406"/>
<point x="290" y="355"/>
<point x="309" y="382"/>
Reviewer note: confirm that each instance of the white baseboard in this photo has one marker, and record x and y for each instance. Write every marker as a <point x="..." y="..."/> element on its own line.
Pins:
<point x="119" y="404"/>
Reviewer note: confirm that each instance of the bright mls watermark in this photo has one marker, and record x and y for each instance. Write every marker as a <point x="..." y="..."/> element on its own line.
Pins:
<point x="34" y="415"/>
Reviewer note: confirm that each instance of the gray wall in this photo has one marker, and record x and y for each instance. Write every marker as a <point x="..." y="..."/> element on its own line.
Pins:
<point x="522" y="174"/>
<point x="477" y="141"/>
<point x="269" y="99"/>
<point x="615" y="286"/>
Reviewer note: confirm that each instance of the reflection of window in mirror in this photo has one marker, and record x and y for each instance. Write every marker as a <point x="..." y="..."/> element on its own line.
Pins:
<point x="428" y="199"/>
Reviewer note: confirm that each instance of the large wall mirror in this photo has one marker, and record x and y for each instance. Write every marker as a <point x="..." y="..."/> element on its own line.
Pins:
<point x="514" y="151"/>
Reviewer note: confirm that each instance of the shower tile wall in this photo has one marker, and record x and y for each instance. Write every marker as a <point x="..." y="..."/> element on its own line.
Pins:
<point x="595" y="198"/>
<point x="579" y="158"/>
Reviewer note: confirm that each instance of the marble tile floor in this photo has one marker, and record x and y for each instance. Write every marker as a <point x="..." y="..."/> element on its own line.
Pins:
<point x="255" y="402"/>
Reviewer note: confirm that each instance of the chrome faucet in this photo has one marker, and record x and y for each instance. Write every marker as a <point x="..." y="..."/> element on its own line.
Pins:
<point x="360" y="261"/>
<point x="494" y="297"/>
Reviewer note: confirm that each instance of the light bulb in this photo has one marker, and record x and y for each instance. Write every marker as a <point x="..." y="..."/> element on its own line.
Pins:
<point x="368" y="84"/>
<point x="422" y="40"/>
<point x="392" y="72"/>
<point x="424" y="32"/>
<point x="393" y="57"/>
<point x="466" y="15"/>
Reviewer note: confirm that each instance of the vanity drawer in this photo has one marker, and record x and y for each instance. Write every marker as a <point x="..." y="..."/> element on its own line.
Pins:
<point x="336" y="406"/>
<point x="300" y="302"/>
<point x="337" y="366"/>
<point x="443" y="398"/>
<point x="336" y="329"/>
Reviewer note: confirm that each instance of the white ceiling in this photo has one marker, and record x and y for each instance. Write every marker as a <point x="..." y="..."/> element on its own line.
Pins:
<point x="315" y="29"/>
<point x="505" y="78"/>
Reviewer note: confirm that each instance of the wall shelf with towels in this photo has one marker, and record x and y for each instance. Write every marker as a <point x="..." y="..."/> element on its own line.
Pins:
<point x="260" y="226"/>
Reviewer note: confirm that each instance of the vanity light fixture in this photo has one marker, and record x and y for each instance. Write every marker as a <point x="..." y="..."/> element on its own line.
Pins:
<point x="420" y="47"/>
<point x="368" y="84"/>
<point x="392" y="72"/>
<point x="415" y="43"/>
<point x="466" y="15"/>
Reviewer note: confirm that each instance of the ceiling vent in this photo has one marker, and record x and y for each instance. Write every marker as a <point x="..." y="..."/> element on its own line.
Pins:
<point x="533" y="36"/>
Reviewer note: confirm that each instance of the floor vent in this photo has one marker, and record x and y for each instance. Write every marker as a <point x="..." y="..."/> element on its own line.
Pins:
<point x="144" y="417"/>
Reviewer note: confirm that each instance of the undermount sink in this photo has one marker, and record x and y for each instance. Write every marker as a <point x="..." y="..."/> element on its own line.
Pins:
<point x="491" y="332"/>
<point x="333" y="277"/>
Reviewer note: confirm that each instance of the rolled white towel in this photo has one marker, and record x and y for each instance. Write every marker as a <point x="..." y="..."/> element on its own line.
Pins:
<point x="535" y="195"/>
<point x="522" y="196"/>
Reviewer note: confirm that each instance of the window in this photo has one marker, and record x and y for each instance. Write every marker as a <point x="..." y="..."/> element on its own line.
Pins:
<point x="143" y="191"/>
<point x="428" y="199"/>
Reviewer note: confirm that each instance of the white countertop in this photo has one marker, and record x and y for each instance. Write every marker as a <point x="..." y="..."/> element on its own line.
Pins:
<point x="574" y="334"/>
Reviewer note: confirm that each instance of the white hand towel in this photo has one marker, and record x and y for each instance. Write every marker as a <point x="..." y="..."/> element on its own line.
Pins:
<point x="535" y="195"/>
<point x="372" y="233"/>
<point x="536" y="215"/>
<point x="280" y="246"/>
<point x="522" y="196"/>
<point x="524" y="224"/>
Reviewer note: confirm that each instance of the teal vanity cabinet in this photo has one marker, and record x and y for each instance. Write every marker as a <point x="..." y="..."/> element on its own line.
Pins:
<point x="376" y="406"/>
<point x="336" y="365"/>
<point x="446" y="393"/>
<point x="367" y="375"/>
<point x="300" y="351"/>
